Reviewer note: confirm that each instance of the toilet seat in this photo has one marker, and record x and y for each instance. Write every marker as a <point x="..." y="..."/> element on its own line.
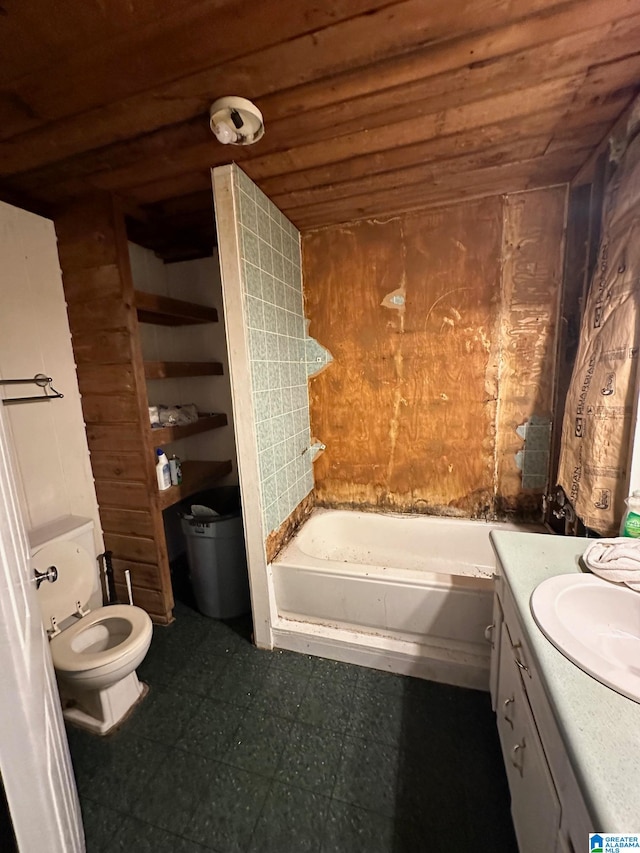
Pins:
<point x="67" y="649"/>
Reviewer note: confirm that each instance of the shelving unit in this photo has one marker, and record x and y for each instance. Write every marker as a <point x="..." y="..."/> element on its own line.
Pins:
<point x="165" y="435"/>
<point x="179" y="369"/>
<point x="195" y="477"/>
<point x="164" y="311"/>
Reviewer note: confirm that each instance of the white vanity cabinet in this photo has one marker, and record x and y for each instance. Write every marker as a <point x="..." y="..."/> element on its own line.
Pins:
<point x="546" y="805"/>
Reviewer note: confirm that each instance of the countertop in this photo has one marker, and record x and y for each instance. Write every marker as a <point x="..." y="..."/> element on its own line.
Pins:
<point x="600" y="728"/>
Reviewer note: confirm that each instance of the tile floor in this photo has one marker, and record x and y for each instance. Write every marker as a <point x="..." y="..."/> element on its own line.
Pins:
<point x="238" y="750"/>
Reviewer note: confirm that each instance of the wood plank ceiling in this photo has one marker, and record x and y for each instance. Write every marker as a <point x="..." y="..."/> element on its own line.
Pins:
<point x="371" y="107"/>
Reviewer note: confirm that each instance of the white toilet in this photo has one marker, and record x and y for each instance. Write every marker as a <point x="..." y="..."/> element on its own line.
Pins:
<point x="96" y="652"/>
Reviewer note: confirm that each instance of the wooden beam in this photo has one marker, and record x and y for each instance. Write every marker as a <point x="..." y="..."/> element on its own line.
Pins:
<point x="553" y="94"/>
<point x="425" y="173"/>
<point x="54" y="31"/>
<point x="307" y="60"/>
<point x="406" y="87"/>
<point x="494" y="180"/>
<point x="573" y="92"/>
<point x="483" y="140"/>
<point x="168" y="49"/>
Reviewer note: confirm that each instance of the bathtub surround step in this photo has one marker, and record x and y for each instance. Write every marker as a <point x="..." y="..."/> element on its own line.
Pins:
<point x="457" y="664"/>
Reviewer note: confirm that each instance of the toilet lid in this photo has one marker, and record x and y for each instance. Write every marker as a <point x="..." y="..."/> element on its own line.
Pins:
<point x="76" y="577"/>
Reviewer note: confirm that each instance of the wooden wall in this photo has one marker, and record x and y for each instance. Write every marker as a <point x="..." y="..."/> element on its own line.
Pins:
<point x="94" y="257"/>
<point x="442" y="326"/>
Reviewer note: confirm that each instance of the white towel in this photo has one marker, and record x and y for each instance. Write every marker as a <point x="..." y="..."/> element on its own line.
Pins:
<point x="616" y="560"/>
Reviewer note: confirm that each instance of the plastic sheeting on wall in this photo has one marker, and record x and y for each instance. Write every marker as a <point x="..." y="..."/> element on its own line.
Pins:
<point x="597" y="426"/>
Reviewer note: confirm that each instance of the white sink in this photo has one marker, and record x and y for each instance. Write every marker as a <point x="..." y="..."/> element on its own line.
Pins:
<point x="594" y="623"/>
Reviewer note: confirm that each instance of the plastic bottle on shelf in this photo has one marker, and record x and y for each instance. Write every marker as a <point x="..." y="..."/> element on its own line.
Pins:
<point x="163" y="472"/>
<point x="630" y="525"/>
<point x="175" y="467"/>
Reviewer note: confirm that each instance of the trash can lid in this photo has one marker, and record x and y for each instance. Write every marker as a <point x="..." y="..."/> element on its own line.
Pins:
<point x="205" y="515"/>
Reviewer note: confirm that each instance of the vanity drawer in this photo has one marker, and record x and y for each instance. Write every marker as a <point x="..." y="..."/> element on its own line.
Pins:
<point x="534" y="802"/>
<point x="493" y="635"/>
<point x="575" y="818"/>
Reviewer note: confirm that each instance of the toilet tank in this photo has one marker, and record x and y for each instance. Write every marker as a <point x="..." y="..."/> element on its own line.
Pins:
<point x="70" y="528"/>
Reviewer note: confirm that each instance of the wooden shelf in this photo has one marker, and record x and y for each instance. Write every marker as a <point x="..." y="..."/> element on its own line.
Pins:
<point x="164" y="435"/>
<point x="195" y="476"/>
<point x="163" y="311"/>
<point x="174" y="369"/>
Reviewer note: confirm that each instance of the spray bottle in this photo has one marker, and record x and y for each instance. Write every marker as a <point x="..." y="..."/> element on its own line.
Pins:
<point x="630" y="525"/>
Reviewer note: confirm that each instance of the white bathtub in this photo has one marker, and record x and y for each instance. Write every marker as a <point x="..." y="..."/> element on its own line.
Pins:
<point x="407" y="593"/>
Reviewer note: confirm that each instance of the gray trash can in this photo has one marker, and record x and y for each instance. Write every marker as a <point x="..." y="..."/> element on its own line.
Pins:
<point x="218" y="564"/>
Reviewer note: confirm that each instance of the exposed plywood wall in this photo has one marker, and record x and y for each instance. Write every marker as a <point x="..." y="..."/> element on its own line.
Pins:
<point x="426" y="329"/>
<point x="532" y="246"/>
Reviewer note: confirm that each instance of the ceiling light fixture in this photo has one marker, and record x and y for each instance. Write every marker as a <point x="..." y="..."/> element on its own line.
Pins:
<point x="236" y="121"/>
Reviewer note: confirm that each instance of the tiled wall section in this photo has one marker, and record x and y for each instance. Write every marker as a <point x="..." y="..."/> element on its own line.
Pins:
<point x="272" y="283"/>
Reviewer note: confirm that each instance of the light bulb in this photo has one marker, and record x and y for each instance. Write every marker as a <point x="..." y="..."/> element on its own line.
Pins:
<point x="224" y="133"/>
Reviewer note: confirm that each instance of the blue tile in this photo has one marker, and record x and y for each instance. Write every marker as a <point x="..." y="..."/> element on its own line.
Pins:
<point x="278" y="260"/>
<point x="270" y="323"/>
<point x="250" y="247"/>
<point x="273" y="346"/>
<point x="252" y="280"/>
<point x="255" y="313"/>
<point x="266" y="257"/>
<point x="243" y="182"/>
<point x="267" y="467"/>
<point x="262" y="405"/>
<point x="257" y="345"/>
<point x="268" y="287"/>
<point x="276" y="237"/>
<point x="261" y="199"/>
<point x="264" y="225"/>
<point x="248" y="217"/>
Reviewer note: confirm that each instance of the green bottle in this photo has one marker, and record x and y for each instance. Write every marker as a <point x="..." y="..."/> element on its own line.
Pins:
<point x="630" y="525"/>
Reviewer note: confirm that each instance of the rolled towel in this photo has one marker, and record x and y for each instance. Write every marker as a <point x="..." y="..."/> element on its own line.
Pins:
<point x="616" y="560"/>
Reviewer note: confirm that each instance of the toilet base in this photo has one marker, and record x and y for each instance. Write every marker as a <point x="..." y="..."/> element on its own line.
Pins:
<point x="100" y="711"/>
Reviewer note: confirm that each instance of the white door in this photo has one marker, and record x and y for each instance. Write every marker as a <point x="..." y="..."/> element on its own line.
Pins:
<point x="34" y="755"/>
